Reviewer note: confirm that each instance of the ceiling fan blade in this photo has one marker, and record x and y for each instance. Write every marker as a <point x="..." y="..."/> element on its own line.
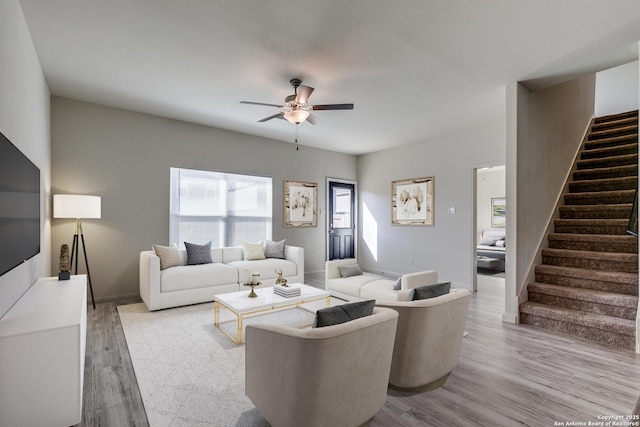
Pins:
<point x="261" y="103"/>
<point x="304" y="92"/>
<point x="275" y="116"/>
<point x="313" y="119"/>
<point x="332" y="107"/>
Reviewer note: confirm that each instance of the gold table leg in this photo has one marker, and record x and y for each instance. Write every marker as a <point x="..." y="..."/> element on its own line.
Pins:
<point x="239" y="338"/>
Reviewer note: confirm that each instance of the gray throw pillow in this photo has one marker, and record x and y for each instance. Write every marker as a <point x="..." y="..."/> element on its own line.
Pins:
<point x="431" y="291"/>
<point x="343" y="313"/>
<point x="350" y="270"/>
<point x="398" y="285"/>
<point x="198" y="254"/>
<point x="274" y="249"/>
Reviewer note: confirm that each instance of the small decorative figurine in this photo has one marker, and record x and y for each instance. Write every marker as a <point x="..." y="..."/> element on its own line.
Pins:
<point x="280" y="280"/>
<point x="64" y="273"/>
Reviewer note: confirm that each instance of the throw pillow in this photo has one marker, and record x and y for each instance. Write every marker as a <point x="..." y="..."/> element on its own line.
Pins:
<point x="169" y="256"/>
<point x="343" y="313"/>
<point x="431" y="291"/>
<point x="500" y="244"/>
<point x="252" y="251"/>
<point x="274" y="249"/>
<point x="198" y="254"/>
<point x="487" y="241"/>
<point x="350" y="270"/>
<point x="398" y="284"/>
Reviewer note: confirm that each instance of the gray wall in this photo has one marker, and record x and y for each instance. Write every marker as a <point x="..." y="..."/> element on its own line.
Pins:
<point x="125" y="157"/>
<point x="448" y="246"/>
<point x="545" y="130"/>
<point x="24" y="120"/>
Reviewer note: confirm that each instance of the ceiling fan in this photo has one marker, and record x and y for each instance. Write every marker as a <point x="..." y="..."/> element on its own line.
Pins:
<point x="296" y="107"/>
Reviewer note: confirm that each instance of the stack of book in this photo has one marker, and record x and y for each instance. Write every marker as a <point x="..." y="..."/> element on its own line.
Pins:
<point x="287" y="291"/>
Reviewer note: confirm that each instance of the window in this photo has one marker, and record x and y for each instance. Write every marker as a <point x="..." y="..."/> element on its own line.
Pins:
<point x="225" y="209"/>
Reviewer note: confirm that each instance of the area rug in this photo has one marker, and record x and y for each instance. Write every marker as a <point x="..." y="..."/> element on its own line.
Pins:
<point x="189" y="373"/>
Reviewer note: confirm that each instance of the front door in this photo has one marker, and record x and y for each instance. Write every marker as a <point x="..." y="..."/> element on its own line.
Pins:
<point x="342" y="220"/>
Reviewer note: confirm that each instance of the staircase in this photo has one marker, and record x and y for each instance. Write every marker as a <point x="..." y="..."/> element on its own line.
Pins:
<point x="587" y="284"/>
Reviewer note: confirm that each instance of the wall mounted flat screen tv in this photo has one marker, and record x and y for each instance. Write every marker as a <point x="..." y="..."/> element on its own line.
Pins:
<point x="19" y="207"/>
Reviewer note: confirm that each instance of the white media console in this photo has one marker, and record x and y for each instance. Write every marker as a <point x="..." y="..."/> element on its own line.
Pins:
<point x="42" y="349"/>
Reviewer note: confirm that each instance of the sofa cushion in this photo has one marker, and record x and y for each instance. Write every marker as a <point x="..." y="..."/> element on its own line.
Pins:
<point x="266" y="267"/>
<point x="198" y="254"/>
<point x="431" y="291"/>
<point x="398" y="284"/>
<point x="350" y="285"/>
<point x="343" y="313"/>
<point x="169" y="256"/>
<point x="379" y="290"/>
<point x="252" y="251"/>
<point x="274" y="249"/>
<point x="350" y="270"/>
<point x="187" y="277"/>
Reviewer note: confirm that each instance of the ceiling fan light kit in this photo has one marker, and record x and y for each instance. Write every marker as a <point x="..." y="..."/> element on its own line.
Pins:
<point x="297" y="116"/>
<point x="296" y="107"/>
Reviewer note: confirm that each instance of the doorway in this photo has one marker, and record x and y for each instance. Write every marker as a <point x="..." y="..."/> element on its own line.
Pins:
<point x="489" y="225"/>
<point x="341" y="219"/>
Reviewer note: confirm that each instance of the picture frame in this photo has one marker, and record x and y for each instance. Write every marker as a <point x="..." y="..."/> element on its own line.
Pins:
<point x="498" y="212"/>
<point x="412" y="201"/>
<point x="300" y="204"/>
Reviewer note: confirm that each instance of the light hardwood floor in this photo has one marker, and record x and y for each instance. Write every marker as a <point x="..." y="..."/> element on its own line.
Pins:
<point x="508" y="375"/>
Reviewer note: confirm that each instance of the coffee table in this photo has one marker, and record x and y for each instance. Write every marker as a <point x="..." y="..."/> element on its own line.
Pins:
<point x="266" y="302"/>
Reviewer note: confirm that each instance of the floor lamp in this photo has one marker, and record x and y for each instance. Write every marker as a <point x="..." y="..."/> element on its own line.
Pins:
<point x="78" y="207"/>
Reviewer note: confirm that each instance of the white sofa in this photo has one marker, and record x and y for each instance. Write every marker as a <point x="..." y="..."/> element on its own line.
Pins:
<point x="371" y="286"/>
<point x="192" y="284"/>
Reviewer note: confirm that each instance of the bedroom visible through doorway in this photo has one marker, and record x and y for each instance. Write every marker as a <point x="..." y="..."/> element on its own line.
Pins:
<point x="490" y="222"/>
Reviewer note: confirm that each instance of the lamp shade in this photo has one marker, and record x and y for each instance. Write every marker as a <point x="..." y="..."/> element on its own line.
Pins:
<point x="75" y="206"/>
<point x="296" y="116"/>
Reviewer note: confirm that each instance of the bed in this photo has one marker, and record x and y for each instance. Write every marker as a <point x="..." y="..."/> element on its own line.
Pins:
<point x="491" y="250"/>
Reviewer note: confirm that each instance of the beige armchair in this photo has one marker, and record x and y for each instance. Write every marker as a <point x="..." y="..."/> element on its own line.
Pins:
<point x="330" y="376"/>
<point x="428" y="340"/>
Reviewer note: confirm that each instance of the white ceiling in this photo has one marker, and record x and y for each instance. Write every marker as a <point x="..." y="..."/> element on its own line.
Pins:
<point x="414" y="69"/>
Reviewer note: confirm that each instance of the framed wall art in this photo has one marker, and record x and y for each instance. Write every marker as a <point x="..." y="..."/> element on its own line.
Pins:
<point x="412" y="201"/>
<point x="498" y="212"/>
<point x="300" y="204"/>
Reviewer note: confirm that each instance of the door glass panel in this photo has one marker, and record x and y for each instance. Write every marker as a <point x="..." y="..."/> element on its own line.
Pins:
<point x="342" y="208"/>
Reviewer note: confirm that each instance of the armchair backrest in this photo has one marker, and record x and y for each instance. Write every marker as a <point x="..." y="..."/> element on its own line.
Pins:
<point x="428" y="339"/>
<point x="335" y="375"/>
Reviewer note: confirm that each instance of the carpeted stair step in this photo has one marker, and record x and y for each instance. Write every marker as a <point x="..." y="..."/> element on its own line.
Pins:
<point x="614" y="122"/>
<point x="607" y="261"/>
<point x="606" y="184"/>
<point x="608" y="330"/>
<point x="616" y="131"/>
<point x="617" y="150"/>
<point x="587" y="300"/>
<point x="591" y="226"/>
<point x="594" y="242"/>
<point x="606" y="281"/>
<point x="611" y="142"/>
<point x="606" y="162"/>
<point x="615" y="117"/>
<point x="607" y="172"/>
<point x="609" y="211"/>
<point x="600" y="197"/>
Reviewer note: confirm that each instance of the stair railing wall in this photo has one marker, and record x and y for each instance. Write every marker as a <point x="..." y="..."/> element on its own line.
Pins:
<point x="543" y="241"/>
